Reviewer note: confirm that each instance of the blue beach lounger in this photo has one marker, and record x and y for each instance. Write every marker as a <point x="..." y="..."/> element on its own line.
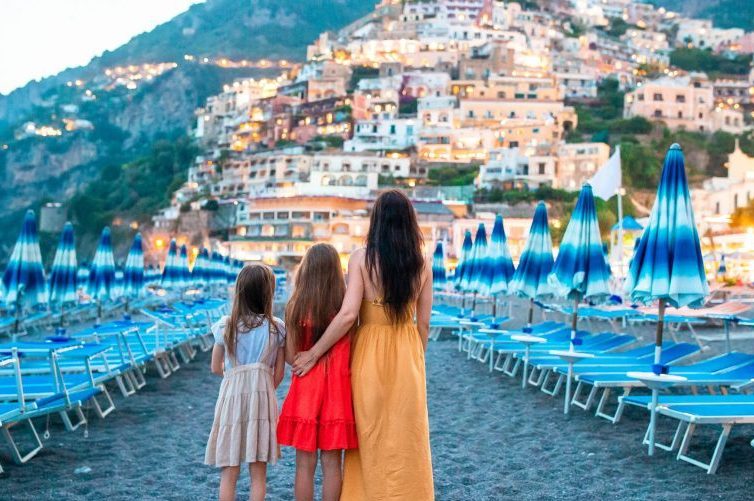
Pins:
<point x="725" y="413"/>
<point x="724" y="370"/>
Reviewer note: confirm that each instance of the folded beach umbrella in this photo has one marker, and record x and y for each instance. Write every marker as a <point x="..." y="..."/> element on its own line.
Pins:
<point x="23" y="282"/>
<point x="217" y="274"/>
<point x="133" y="273"/>
<point x="478" y="260"/>
<point x="102" y="271"/>
<point x="201" y="274"/>
<point x="439" y="275"/>
<point x="530" y="278"/>
<point x="667" y="265"/>
<point x="463" y="267"/>
<point x="580" y="271"/>
<point x="183" y="265"/>
<point x="64" y="273"/>
<point x="228" y="270"/>
<point x="499" y="270"/>
<point x="171" y="272"/>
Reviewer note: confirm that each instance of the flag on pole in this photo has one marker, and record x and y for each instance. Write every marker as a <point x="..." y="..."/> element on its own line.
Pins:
<point x="607" y="180"/>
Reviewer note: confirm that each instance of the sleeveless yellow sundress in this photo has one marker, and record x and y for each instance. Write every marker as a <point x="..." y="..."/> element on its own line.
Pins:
<point x="393" y="461"/>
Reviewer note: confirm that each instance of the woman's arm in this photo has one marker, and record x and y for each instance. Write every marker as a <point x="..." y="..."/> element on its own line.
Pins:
<point x="218" y="360"/>
<point x="342" y="322"/>
<point x="279" y="373"/>
<point x="424" y="307"/>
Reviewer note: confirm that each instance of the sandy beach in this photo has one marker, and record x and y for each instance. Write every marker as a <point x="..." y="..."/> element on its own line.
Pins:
<point x="490" y="440"/>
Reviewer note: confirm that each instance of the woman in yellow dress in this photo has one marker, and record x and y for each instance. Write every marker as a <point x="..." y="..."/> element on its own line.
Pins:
<point x="389" y="294"/>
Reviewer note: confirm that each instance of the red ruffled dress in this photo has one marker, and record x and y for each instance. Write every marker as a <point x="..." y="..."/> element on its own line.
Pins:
<point x="318" y="411"/>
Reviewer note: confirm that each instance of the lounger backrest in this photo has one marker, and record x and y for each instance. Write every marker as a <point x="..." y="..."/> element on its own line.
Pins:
<point x="678" y="352"/>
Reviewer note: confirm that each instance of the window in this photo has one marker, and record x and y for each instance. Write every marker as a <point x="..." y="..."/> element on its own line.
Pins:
<point x="658" y="113"/>
<point x="501" y="95"/>
<point x="392" y="129"/>
<point x="640" y="97"/>
<point x="680" y="114"/>
<point x="680" y="98"/>
<point x="657" y="97"/>
<point x="541" y="166"/>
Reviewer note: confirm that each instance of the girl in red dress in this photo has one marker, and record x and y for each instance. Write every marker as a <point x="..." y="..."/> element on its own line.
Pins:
<point x="317" y="414"/>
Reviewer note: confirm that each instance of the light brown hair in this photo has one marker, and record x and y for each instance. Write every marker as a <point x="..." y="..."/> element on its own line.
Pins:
<point x="252" y="304"/>
<point x="317" y="294"/>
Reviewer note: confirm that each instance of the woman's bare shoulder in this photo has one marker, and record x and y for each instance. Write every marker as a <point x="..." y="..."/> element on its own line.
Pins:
<point x="359" y="255"/>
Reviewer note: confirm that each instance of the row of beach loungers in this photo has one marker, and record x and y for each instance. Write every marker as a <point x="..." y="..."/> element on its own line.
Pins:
<point x="67" y="375"/>
<point x="43" y="319"/>
<point x="715" y="390"/>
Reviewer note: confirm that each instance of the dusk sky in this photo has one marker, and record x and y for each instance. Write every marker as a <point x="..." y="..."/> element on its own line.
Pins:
<point x="39" y="38"/>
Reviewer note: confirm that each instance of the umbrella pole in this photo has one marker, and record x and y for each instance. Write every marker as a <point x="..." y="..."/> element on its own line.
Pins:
<point x="574" y="319"/>
<point x="655" y="391"/>
<point x="494" y="308"/>
<point x="726" y="326"/>
<point x="531" y="312"/>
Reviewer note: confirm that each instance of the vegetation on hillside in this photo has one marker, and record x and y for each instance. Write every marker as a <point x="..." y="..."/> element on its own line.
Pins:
<point x="134" y="190"/>
<point x="239" y="29"/>
<point x="723" y="13"/>
<point x="706" y="61"/>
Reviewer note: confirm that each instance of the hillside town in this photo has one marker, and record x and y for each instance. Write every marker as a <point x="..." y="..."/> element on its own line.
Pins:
<point x="419" y="87"/>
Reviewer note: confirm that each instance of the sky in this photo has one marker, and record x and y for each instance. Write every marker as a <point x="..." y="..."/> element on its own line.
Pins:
<point x="39" y="38"/>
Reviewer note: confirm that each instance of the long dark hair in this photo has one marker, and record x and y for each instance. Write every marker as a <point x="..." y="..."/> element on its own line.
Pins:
<point x="252" y="304"/>
<point x="394" y="257"/>
<point x="317" y="295"/>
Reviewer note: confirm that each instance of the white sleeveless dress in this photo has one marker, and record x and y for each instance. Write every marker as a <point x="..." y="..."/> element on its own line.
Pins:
<point x="246" y="413"/>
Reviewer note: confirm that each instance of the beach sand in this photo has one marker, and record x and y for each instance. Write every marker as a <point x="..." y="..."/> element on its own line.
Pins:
<point x="490" y="440"/>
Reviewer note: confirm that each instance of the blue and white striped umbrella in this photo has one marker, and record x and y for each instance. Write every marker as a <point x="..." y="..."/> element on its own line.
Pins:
<point x="102" y="272"/>
<point x="499" y="270"/>
<point x="580" y="270"/>
<point x="201" y="274"/>
<point x="217" y="266"/>
<point x="64" y="273"/>
<point x="464" y="263"/>
<point x="172" y="276"/>
<point x="439" y="275"/>
<point x="24" y="278"/>
<point x="133" y="273"/>
<point x="668" y="265"/>
<point x="535" y="265"/>
<point x="478" y="260"/>
<point x="183" y="264"/>
<point x="228" y="270"/>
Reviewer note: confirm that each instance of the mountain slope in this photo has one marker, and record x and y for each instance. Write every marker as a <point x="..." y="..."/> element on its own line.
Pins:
<point x="723" y="13"/>
<point x="240" y="29"/>
<point x="126" y="122"/>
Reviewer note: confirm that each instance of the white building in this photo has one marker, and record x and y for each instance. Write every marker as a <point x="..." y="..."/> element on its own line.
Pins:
<point x="380" y="135"/>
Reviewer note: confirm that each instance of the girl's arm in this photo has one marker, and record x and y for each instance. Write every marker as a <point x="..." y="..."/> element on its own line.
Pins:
<point x="424" y="307"/>
<point x="342" y="322"/>
<point x="290" y="350"/>
<point x="217" y="365"/>
<point x="279" y="373"/>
